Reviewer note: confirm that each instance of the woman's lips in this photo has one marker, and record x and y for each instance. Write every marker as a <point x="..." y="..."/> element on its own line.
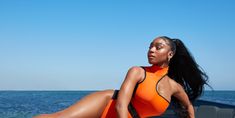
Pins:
<point x="150" y="56"/>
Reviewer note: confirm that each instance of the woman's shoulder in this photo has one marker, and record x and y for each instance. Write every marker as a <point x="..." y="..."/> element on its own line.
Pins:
<point x="138" y="68"/>
<point x="139" y="71"/>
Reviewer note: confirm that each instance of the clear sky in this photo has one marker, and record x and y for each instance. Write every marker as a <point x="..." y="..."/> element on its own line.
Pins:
<point x="90" y="45"/>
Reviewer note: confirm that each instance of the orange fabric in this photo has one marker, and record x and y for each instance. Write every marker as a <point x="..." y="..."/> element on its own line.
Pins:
<point x="110" y="112"/>
<point x="146" y="100"/>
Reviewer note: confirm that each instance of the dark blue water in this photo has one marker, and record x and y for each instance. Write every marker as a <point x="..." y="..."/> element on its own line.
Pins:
<point x="227" y="97"/>
<point x="25" y="104"/>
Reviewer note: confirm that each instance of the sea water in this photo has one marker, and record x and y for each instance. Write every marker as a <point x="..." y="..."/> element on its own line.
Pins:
<point x="25" y="104"/>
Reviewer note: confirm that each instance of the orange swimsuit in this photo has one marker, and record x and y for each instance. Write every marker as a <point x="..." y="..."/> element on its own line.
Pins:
<point x="146" y="100"/>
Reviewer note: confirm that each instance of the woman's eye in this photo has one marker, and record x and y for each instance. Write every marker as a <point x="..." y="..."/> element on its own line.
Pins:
<point x="158" y="47"/>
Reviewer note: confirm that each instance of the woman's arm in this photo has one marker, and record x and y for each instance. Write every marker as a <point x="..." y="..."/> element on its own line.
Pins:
<point x="181" y="95"/>
<point x="134" y="75"/>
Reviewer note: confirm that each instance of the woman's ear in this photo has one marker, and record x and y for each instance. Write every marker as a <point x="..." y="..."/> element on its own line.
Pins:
<point x="170" y="55"/>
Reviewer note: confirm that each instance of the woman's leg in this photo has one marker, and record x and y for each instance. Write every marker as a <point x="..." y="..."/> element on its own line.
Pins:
<point x="91" y="106"/>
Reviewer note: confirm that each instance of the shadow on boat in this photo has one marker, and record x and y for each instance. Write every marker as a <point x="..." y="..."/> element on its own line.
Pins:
<point x="206" y="109"/>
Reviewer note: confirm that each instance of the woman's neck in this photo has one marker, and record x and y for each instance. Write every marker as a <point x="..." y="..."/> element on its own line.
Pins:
<point x="155" y="68"/>
<point x="160" y="65"/>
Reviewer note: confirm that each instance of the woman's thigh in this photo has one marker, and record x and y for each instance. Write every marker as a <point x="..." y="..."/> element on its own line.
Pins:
<point x="90" y="106"/>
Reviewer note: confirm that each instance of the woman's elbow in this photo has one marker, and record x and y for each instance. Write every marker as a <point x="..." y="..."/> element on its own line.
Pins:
<point x="122" y="110"/>
<point x="120" y="106"/>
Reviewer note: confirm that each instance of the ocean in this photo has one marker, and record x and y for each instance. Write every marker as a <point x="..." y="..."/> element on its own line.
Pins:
<point x="25" y="104"/>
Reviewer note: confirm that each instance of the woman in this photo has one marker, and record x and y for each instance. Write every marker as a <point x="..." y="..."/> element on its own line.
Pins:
<point x="147" y="91"/>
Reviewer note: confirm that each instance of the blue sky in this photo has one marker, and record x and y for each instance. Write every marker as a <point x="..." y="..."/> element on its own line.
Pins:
<point x="81" y="45"/>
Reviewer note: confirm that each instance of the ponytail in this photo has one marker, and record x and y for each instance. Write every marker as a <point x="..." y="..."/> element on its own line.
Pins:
<point x="185" y="71"/>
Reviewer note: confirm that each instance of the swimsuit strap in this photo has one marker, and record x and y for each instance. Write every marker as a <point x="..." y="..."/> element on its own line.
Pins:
<point x="133" y="111"/>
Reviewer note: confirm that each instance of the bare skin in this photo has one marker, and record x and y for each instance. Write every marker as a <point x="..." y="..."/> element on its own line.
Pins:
<point x="91" y="106"/>
<point x="159" y="54"/>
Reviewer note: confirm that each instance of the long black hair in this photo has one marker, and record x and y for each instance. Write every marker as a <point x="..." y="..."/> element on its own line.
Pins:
<point x="185" y="71"/>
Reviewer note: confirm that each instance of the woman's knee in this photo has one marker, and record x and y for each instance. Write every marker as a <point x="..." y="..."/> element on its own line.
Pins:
<point x="108" y="93"/>
<point x="45" y="116"/>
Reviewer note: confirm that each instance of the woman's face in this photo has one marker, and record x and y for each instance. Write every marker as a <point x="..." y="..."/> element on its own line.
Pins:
<point x="159" y="52"/>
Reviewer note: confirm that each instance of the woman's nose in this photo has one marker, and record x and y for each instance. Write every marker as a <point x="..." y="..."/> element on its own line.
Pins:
<point x="152" y="49"/>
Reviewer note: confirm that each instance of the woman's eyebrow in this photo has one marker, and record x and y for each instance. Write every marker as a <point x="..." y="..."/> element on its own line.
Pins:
<point x="157" y="44"/>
